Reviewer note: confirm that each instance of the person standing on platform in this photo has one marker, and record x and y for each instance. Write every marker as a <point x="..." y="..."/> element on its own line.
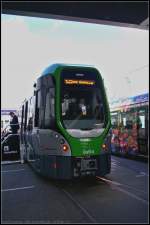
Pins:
<point x="14" y="123"/>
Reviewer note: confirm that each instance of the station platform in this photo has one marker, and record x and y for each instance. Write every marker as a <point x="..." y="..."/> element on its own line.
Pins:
<point x="139" y="157"/>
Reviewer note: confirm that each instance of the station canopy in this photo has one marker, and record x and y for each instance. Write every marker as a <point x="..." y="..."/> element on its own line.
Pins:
<point x="126" y="14"/>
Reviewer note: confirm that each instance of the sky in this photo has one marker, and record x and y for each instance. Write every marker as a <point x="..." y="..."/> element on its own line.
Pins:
<point x="30" y="44"/>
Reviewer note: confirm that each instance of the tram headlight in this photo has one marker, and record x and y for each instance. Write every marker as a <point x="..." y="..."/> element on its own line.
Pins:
<point x="65" y="147"/>
<point x="106" y="146"/>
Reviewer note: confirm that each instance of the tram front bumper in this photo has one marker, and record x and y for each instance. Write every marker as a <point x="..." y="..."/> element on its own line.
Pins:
<point x="92" y="166"/>
<point x="66" y="167"/>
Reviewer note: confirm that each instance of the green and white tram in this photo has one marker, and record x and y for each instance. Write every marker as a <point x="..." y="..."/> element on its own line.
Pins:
<point x="65" y="126"/>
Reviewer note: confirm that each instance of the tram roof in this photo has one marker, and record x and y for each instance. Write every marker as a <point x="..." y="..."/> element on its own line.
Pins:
<point x="52" y="68"/>
<point x="129" y="101"/>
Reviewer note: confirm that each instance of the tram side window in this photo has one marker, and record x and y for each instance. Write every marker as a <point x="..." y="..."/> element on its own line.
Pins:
<point x="141" y="119"/>
<point x="37" y="107"/>
<point x="30" y="124"/>
<point x="52" y="102"/>
<point x="22" y="118"/>
<point x="114" y="119"/>
<point x="30" y="117"/>
<point x="142" y="123"/>
<point x="129" y="118"/>
<point x="26" y="116"/>
<point x="49" y="109"/>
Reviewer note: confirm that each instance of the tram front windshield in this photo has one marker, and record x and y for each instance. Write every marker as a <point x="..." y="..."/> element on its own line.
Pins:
<point x="82" y="105"/>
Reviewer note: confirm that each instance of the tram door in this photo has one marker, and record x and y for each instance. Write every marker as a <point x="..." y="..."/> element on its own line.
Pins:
<point x="143" y="130"/>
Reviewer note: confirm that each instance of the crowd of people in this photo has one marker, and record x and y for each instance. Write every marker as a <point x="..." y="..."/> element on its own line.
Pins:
<point x="124" y="140"/>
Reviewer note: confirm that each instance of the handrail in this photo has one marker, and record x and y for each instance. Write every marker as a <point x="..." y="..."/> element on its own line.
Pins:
<point x="4" y="131"/>
<point x="9" y="135"/>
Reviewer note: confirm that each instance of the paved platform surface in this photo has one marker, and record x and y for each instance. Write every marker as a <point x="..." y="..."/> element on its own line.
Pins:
<point x="120" y="197"/>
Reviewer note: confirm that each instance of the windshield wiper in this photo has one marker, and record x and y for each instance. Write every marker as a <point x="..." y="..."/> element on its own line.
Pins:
<point x="86" y="128"/>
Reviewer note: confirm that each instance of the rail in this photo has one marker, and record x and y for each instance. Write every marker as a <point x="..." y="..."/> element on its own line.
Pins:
<point x="4" y="132"/>
<point x="8" y="136"/>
